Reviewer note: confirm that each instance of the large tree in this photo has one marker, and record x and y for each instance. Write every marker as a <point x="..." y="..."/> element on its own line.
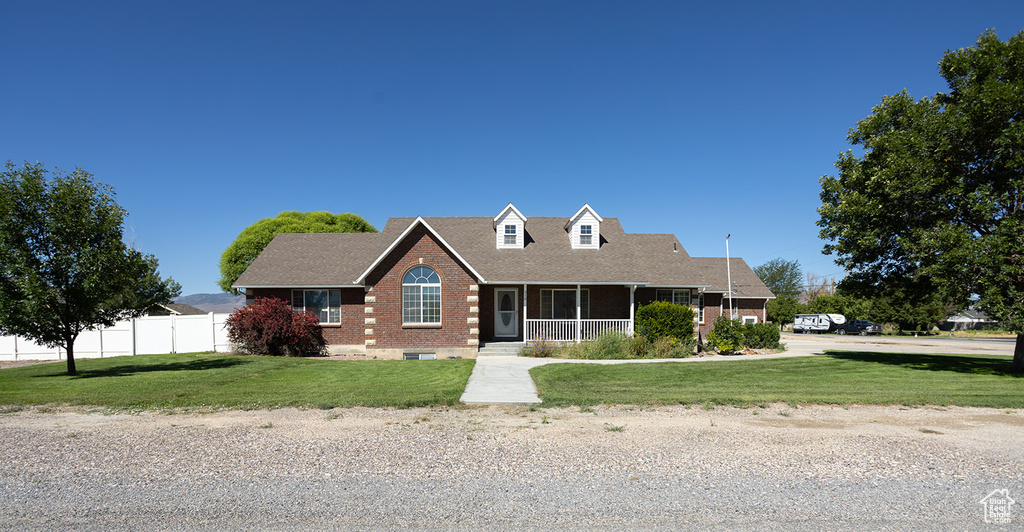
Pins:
<point x="64" y="265"/>
<point x="935" y="203"/>
<point x="783" y="277"/>
<point x="251" y="241"/>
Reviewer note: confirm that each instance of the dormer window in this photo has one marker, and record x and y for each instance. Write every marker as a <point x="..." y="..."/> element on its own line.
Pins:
<point x="510" y="235"/>
<point x="586" y="235"/>
<point x="584" y="229"/>
<point x="510" y="228"/>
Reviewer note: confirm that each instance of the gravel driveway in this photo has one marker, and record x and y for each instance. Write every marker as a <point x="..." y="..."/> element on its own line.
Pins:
<point x="470" y="468"/>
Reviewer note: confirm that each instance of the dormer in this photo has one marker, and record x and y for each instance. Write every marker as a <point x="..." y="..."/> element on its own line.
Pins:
<point x="510" y="228"/>
<point x="584" y="228"/>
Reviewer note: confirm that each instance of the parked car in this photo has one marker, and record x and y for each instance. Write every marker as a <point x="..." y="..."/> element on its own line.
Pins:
<point x="860" y="327"/>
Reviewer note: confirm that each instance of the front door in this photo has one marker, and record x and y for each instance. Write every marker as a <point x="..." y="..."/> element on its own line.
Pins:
<point x="506" y="317"/>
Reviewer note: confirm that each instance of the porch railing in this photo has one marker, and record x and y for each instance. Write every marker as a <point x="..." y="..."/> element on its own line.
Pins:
<point x="574" y="330"/>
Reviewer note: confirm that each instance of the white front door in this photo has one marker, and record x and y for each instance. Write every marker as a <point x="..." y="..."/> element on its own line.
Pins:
<point x="506" y="317"/>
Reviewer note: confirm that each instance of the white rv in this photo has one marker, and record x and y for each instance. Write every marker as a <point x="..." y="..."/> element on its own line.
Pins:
<point x="817" y="323"/>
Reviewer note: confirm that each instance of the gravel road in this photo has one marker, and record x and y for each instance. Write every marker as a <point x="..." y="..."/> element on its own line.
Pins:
<point x="472" y="468"/>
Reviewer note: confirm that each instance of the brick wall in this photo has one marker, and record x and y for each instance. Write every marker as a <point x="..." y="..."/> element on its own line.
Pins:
<point x="349" y="331"/>
<point x="383" y="328"/>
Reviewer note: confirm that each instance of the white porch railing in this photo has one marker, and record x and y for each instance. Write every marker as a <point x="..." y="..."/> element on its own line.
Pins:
<point x="574" y="330"/>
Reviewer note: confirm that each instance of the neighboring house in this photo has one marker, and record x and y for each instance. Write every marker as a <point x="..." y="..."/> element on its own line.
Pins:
<point x="174" y="309"/>
<point x="968" y="320"/>
<point x="444" y="285"/>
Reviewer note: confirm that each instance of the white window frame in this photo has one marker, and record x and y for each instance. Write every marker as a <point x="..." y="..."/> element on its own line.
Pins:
<point x="417" y="290"/>
<point x="749" y="319"/>
<point x="679" y="296"/>
<point x="547" y="303"/>
<point x="324" y="314"/>
<point x="510" y="231"/>
<point x="700" y="308"/>
<point x="587" y="233"/>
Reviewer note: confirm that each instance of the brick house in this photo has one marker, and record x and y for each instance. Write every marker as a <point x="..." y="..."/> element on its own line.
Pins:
<point x="441" y="286"/>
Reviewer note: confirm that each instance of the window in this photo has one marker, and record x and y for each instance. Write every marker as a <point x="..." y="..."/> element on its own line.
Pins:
<point x="679" y="297"/>
<point x="700" y="308"/>
<point x="561" y="304"/>
<point x="326" y="304"/>
<point x="421" y="296"/>
<point x="510" y="235"/>
<point x="749" y="319"/>
<point x="419" y="356"/>
<point x="586" y="235"/>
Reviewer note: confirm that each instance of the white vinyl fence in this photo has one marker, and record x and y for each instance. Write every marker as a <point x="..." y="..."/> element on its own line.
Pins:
<point x="152" y="335"/>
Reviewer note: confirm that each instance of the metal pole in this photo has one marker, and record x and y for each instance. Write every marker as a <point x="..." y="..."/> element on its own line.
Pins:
<point x="728" y="273"/>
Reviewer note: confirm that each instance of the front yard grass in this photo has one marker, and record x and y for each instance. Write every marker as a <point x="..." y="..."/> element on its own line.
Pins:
<point x="242" y="382"/>
<point x="834" y="378"/>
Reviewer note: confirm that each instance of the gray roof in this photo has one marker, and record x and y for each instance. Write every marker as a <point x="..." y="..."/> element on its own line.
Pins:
<point x="178" y="309"/>
<point x="745" y="282"/>
<point x="338" y="259"/>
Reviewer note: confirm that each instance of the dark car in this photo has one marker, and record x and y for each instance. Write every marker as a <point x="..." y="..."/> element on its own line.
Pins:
<point x="860" y="327"/>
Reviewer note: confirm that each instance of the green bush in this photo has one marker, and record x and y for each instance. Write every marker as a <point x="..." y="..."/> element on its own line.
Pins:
<point x="760" y="336"/>
<point x="726" y="336"/>
<point x="616" y="346"/>
<point x="730" y="335"/>
<point x="661" y="319"/>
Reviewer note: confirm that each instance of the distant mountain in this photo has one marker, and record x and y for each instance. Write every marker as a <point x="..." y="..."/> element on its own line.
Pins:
<point x="213" y="302"/>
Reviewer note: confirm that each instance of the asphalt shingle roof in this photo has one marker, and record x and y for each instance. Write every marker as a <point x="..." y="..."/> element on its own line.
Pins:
<point x="338" y="259"/>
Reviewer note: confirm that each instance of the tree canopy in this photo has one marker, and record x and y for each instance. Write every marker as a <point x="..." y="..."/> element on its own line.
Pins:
<point x="251" y="241"/>
<point x="935" y="204"/>
<point x="783" y="277"/>
<point x="64" y="266"/>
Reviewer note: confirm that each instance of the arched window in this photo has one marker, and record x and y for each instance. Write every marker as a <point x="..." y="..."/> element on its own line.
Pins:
<point x="421" y="296"/>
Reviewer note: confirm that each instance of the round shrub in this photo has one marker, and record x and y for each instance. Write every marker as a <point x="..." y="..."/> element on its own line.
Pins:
<point x="268" y="326"/>
<point x="726" y="336"/>
<point x="661" y="319"/>
<point x="760" y="336"/>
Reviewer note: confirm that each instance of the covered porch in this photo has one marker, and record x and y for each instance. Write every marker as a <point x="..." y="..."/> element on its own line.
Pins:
<point x="557" y="313"/>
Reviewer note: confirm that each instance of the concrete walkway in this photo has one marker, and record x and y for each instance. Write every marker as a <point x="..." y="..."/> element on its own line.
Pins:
<point x="506" y="379"/>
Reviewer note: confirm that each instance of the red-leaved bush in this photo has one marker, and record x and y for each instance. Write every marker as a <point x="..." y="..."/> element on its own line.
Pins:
<point x="268" y="326"/>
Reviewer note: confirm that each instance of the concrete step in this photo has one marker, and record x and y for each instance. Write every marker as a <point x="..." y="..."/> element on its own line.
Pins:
<point x="500" y="349"/>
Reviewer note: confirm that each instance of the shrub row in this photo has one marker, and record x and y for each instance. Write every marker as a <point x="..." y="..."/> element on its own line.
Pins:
<point x="729" y="336"/>
<point x="613" y="345"/>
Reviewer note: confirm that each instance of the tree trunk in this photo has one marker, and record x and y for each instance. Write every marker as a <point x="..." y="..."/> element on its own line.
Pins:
<point x="1018" y="355"/>
<point x="70" y="348"/>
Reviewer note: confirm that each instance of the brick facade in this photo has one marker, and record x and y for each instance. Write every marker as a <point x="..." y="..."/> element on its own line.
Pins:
<point x="348" y="332"/>
<point x="459" y="327"/>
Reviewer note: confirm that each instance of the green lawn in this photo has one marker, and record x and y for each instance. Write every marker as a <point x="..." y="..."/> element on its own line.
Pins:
<point x="834" y="378"/>
<point x="191" y="381"/>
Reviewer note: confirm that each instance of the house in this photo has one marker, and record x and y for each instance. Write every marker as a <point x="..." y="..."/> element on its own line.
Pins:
<point x="969" y="320"/>
<point x="174" y="309"/>
<point x="441" y="286"/>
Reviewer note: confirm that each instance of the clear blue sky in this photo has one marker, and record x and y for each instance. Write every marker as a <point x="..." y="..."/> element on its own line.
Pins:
<point x="695" y="118"/>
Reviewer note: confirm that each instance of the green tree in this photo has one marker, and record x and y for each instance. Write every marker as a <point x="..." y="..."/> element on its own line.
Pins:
<point x="783" y="310"/>
<point x="251" y="241"/>
<point x="782" y="277"/>
<point x="936" y="200"/>
<point x="64" y="266"/>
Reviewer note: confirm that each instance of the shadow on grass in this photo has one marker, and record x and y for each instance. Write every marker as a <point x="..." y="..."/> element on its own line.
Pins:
<point x="134" y="369"/>
<point x="955" y="363"/>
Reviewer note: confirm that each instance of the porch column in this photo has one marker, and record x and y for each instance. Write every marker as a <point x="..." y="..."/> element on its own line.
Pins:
<point x="579" y="322"/>
<point x="632" y="312"/>
<point x="525" y="337"/>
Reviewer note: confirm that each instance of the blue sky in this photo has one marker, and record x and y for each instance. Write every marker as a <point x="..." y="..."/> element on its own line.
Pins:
<point x="699" y="119"/>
